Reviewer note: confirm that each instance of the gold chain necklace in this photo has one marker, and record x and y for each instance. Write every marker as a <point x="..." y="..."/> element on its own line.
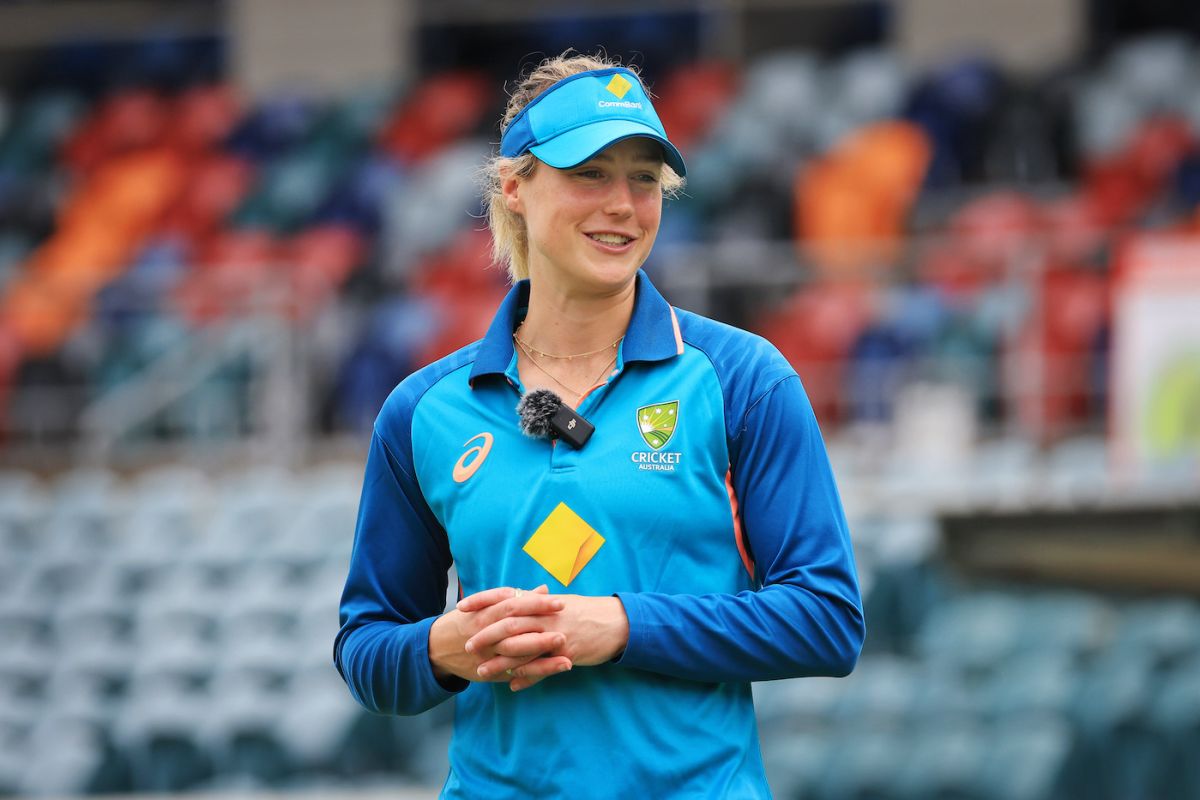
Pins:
<point x="531" y="349"/>
<point x="578" y="394"/>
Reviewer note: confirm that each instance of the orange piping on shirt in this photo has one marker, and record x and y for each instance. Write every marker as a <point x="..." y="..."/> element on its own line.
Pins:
<point x="739" y="535"/>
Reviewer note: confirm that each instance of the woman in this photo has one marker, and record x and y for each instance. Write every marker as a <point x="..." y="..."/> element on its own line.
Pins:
<point x="694" y="544"/>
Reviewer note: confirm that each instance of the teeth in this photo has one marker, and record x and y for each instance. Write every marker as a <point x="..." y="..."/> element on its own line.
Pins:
<point x="609" y="238"/>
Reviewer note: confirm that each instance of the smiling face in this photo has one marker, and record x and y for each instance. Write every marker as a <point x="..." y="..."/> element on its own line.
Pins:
<point x="591" y="227"/>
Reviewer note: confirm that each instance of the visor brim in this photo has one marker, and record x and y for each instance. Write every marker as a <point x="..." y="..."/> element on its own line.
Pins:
<point x="577" y="145"/>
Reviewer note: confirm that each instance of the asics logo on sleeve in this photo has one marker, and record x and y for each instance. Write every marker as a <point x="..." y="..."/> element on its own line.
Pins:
<point x="470" y="461"/>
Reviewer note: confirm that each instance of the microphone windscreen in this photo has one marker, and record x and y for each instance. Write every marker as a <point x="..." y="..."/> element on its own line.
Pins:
<point x="536" y="410"/>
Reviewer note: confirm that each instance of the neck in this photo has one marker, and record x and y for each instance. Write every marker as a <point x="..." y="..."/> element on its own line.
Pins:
<point x="561" y="322"/>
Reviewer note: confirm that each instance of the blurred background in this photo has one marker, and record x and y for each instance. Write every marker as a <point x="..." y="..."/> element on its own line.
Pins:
<point x="228" y="229"/>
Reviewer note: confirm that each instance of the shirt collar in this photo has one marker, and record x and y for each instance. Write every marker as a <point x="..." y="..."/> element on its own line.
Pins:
<point x="653" y="333"/>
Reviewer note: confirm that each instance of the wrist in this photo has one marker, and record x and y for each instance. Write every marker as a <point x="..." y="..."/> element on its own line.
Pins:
<point x="619" y="628"/>
<point x="443" y="647"/>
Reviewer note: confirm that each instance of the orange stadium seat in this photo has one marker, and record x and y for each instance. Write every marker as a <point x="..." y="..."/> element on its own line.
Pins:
<point x="852" y="204"/>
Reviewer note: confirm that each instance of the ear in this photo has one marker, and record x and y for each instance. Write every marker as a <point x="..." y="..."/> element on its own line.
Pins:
<point x="511" y="186"/>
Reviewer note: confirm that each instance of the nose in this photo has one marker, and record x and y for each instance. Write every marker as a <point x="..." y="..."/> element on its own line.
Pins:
<point x="619" y="202"/>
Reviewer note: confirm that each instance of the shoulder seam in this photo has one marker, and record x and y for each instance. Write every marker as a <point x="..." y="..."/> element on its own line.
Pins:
<point x="762" y="397"/>
<point x="391" y="453"/>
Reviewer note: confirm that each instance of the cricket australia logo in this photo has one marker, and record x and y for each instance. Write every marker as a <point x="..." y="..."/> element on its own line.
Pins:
<point x="656" y="423"/>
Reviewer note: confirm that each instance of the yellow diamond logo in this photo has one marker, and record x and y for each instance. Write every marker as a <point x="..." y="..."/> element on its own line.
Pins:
<point x="619" y="85"/>
<point x="563" y="544"/>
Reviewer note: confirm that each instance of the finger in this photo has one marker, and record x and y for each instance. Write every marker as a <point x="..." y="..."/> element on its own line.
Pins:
<point x="504" y="629"/>
<point x="537" y="671"/>
<point x="526" y="644"/>
<point x="528" y="604"/>
<point x="489" y="597"/>
<point x="486" y="598"/>
<point x="506" y="667"/>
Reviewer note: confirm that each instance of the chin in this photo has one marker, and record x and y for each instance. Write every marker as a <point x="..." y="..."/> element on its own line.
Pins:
<point x="612" y="276"/>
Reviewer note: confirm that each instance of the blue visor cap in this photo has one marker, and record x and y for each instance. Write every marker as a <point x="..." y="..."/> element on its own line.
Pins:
<point x="581" y="115"/>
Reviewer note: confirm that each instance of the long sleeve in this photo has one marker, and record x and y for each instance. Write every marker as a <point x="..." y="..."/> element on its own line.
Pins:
<point x="395" y="589"/>
<point x="806" y="617"/>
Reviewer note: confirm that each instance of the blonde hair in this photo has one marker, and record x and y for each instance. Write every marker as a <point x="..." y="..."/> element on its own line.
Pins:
<point x="510" y="242"/>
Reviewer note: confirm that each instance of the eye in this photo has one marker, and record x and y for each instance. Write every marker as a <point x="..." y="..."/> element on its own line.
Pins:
<point x="590" y="173"/>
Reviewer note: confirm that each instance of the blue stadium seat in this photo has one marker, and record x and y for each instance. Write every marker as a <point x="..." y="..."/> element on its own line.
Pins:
<point x="976" y="632"/>
<point x="238" y="535"/>
<point x="941" y="692"/>
<point x="321" y="530"/>
<point x="863" y="762"/>
<point x="24" y="505"/>
<point x="39" y="126"/>
<point x="182" y="661"/>
<point x="1032" y="685"/>
<point x="427" y="212"/>
<point x="880" y="690"/>
<point x="792" y="705"/>
<point x="1176" y="715"/>
<point x="1167" y="630"/>
<point x="281" y="121"/>
<point x="1072" y="623"/>
<point x="158" y="730"/>
<point x="318" y="720"/>
<point x="182" y="607"/>
<point x="67" y="757"/>
<point x="780" y="92"/>
<point x="1116" y="750"/>
<point x="99" y="614"/>
<point x="1151" y="69"/>
<point x="361" y="197"/>
<point x="868" y="85"/>
<point x="795" y="761"/>
<point x="244" y="731"/>
<point x="940" y="762"/>
<point x="104" y="665"/>
<point x="19" y="713"/>
<point x="1026" y="759"/>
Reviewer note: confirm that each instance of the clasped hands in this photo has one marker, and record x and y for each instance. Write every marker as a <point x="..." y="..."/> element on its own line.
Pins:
<point x="525" y="637"/>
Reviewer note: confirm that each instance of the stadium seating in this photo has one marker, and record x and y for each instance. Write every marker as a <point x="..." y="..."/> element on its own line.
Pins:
<point x="327" y="201"/>
<point x="188" y="621"/>
<point x="171" y="629"/>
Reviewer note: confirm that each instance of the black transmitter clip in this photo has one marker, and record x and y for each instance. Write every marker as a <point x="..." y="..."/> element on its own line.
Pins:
<point x="570" y="427"/>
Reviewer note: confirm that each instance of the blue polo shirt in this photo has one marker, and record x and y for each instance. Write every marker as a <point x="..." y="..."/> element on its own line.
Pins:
<point x="704" y="501"/>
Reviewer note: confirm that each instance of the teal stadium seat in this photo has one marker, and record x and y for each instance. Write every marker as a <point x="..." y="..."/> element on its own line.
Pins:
<point x="24" y="506"/>
<point x="864" y="762"/>
<point x="157" y="728"/>
<point x="1176" y="715"/>
<point x="1033" y="685"/>
<point x="37" y="129"/>
<point x="68" y="756"/>
<point x="1074" y="624"/>
<point x="1116" y="756"/>
<point x="942" y="762"/>
<point x="1166" y="630"/>
<point x="795" y="761"/>
<point x="976" y="632"/>
<point x="1027" y="760"/>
